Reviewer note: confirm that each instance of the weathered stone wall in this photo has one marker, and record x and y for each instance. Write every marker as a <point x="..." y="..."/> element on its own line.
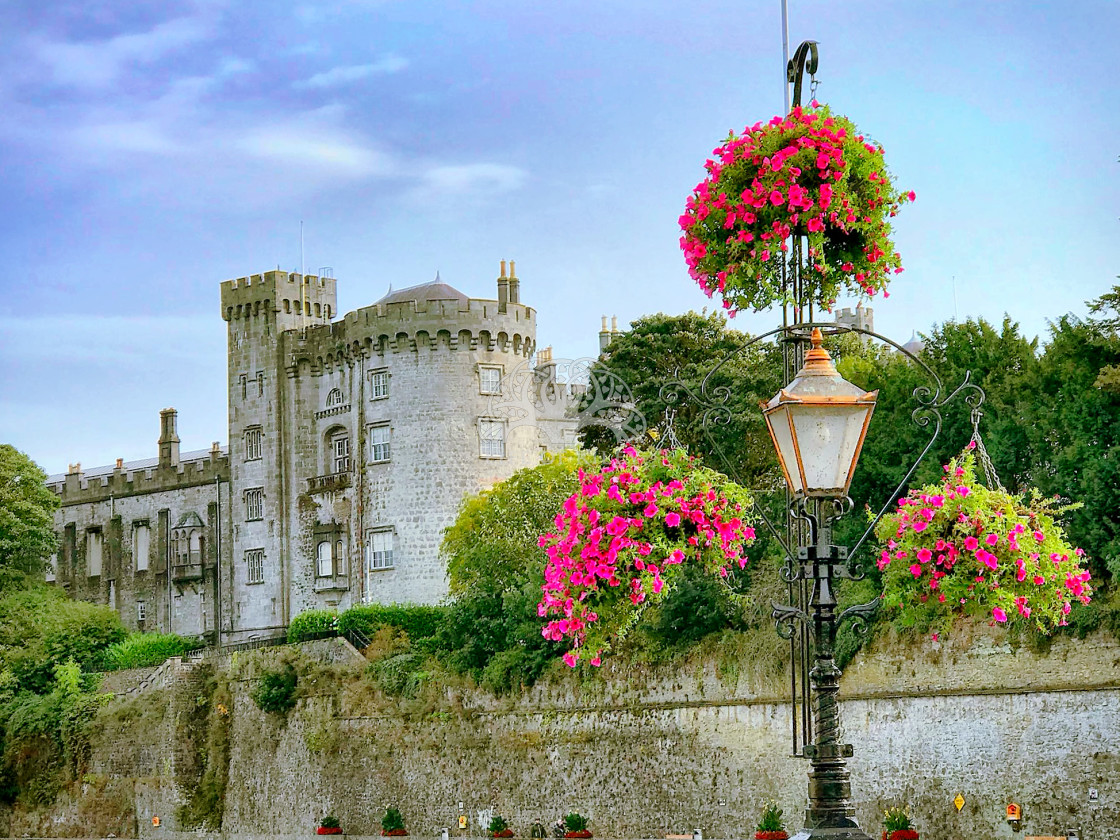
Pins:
<point x="643" y="752"/>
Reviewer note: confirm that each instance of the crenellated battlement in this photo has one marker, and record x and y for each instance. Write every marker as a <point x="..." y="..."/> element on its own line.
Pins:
<point x="412" y="326"/>
<point x="204" y="466"/>
<point x="289" y="296"/>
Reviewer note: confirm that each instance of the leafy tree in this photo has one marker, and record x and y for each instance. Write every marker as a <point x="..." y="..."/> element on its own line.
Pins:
<point x="687" y="348"/>
<point x="492" y="545"/>
<point x="27" y="507"/>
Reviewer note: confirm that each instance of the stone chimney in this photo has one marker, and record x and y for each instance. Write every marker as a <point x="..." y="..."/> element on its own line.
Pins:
<point x="514" y="284"/>
<point x="503" y="289"/>
<point x="168" y="439"/>
<point x="604" y="336"/>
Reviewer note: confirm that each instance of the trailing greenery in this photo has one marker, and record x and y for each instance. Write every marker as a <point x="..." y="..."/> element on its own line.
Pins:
<point x="276" y="691"/>
<point x="141" y="650"/>
<point x="204" y="726"/>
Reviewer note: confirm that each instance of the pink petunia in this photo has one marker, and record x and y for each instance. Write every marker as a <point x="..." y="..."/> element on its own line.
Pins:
<point x="999" y="615"/>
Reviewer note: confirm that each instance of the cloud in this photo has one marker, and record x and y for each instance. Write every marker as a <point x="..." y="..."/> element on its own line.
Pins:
<point x="353" y="73"/>
<point x="474" y="178"/>
<point x="97" y="64"/>
<point x="298" y="148"/>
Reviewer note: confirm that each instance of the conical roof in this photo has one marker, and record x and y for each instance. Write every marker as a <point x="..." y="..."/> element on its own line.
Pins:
<point x="435" y="290"/>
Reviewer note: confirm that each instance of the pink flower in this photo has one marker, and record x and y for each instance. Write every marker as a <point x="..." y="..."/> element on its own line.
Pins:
<point x="650" y="510"/>
<point x="991" y="539"/>
<point x="999" y="614"/>
<point x="970" y="543"/>
<point x="776" y="197"/>
<point x="672" y="519"/>
<point x="570" y="659"/>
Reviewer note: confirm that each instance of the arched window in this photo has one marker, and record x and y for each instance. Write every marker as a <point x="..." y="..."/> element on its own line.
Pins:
<point x="334" y="397"/>
<point x="324" y="564"/>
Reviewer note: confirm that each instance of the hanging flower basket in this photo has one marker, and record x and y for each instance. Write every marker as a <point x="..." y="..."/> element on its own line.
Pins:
<point x="961" y="547"/>
<point x="810" y="174"/>
<point x="621" y="538"/>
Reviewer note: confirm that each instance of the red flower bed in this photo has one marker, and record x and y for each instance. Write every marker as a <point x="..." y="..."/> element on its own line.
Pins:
<point x="325" y="830"/>
<point x="770" y="835"/>
<point x="901" y="834"/>
<point x="581" y="835"/>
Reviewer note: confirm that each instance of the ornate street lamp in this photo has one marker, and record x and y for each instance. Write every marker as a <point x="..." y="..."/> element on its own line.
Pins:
<point x="818" y="425"/>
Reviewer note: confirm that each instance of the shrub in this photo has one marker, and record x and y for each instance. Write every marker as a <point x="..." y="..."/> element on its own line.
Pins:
<point x="771" y="819"/>
<point x="575" y="822"/>
<point x="392" y="820"/>
<point x="419" y="622"/>
<point x="313" y="624"/>
<point x="329" y="821"/>
<point x="400" y="675"/>
<point x="498" y="824"/>
<point x="276" y="692"/>
<point x="140" y="650"/>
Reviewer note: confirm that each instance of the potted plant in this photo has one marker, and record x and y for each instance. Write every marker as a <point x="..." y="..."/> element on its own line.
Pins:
<point x="896" y="825"/>
<point x="575" y="825"/>
<point x="770" y="826"/>
<point x="329" y="825"/>
<point x="499" y="827"/>
<point x="392" y="824"/>
<point x="810" y="174"/>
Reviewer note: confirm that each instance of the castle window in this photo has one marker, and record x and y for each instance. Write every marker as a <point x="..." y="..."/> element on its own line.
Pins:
<point x="253" y="447"/>
<point x="141" y="612"/>
<point x="379" y="550"/>
<point x="334" y="398"/>
<point x="490" y="380"/>
<point x="492" y="438"/>
<point x="379" y="443"/>
<point x="93" y="553"/>
<point x="379" y="384"/>
<point x="324" y="559"/>
<point x="260" y="383"/>
<point x="254" y="561"/>
<point x="254" y="503"/>
<point x="141" y="545"/>
<point x="340" y="452"/>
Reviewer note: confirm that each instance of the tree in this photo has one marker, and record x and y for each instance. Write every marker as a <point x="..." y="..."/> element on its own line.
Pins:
<point x="27" y="508"/>
<point x="491" y="547"/>
<point x="662" y="348"/>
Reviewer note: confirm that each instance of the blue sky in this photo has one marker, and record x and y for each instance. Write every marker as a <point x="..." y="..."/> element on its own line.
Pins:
<point x="153" y="149"/>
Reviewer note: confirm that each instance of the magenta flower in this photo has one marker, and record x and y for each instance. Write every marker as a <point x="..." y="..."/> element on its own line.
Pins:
<point x="998" y="614"/>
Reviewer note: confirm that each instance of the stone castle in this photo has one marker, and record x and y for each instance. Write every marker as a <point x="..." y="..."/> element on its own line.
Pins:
<point x="352" y="443"/>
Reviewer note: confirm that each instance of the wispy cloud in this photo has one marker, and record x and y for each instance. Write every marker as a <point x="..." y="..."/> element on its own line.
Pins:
<point x="337" y="76"/>
<point x="98" y="64"/>
<point x="474" y="178"/>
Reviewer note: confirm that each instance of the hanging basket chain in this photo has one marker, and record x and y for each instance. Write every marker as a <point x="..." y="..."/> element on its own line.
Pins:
<point x="982" y="457"/>
<point x="669" y="439"/>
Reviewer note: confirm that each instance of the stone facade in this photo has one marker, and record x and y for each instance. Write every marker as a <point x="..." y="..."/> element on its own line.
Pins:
<point x="353" y="441"/>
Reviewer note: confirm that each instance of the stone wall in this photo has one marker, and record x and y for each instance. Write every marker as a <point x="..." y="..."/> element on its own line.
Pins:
<point x="644" y="752"/>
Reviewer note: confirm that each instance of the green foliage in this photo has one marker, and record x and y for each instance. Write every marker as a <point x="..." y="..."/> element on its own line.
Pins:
<point x="415" y="620"/>
<point x="510" y="515"/>
<point x="27" y="537"/>
<point x="400" y="675"/>
<point x="498" y="823"/>
<point x="140" y="650"/>
<point x="392" y="820"/>
<point x="771" y="818"/>
<point x="659" y="348"/>
<point x="312" y="624"/>
<point x="276" y="692"/>
<point x="41" y="628"/>
<point x="575" y="822"/>
<point x="697" y="606"/>
<point x="329" y="821"/>
<point x="203" y="727"/>
<point x="896" y="819"/>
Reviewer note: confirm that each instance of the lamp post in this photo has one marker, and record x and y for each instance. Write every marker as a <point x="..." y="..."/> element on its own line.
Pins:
<point x="818" y="424"/>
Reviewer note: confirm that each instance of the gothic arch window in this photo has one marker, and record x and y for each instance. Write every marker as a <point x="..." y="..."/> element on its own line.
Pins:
<point x="334" y="397"/>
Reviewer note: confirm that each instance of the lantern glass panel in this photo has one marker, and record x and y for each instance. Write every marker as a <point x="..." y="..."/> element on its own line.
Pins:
<point x="828" y="437"/>
<point x="778" y="421"/>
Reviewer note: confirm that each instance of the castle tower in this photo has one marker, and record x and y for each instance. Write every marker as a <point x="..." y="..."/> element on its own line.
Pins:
<point x="260" y="309"/>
